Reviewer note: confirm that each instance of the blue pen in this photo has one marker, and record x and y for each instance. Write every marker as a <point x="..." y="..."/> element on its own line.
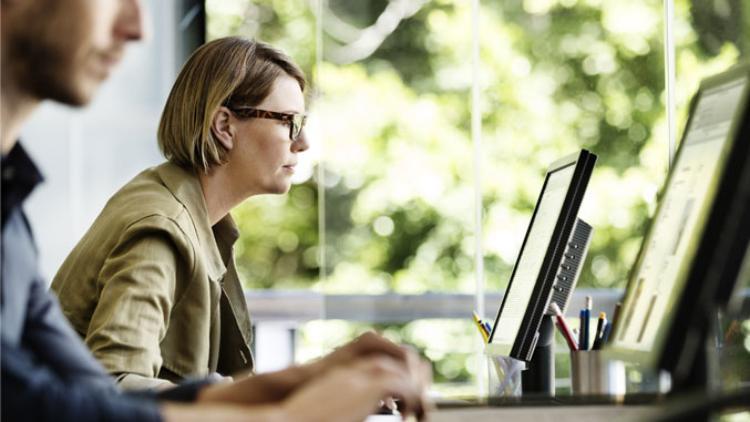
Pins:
<point x="585" y="319"/>
<point x="607" y="332"/>
<point x="583" y="330"/>
<point x="487" y="327"/>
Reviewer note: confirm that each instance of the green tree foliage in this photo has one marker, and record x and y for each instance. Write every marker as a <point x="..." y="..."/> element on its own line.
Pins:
<point x="556" y="76"/>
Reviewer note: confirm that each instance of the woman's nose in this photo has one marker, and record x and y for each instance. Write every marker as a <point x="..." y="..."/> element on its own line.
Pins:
<point x="301" y="144"/>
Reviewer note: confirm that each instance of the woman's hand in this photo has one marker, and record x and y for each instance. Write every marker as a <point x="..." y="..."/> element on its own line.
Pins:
<point x="403" y="368"/>
<point x="366" y="344"/>
<point x="351" y="392"/>
<point x="371" y="344"/>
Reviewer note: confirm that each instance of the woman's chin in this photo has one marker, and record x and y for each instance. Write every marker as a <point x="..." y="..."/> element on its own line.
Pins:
<point x="279" y="189"/>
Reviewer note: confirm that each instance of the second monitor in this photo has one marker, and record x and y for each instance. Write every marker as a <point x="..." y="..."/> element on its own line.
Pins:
<point x="692" y="254"/>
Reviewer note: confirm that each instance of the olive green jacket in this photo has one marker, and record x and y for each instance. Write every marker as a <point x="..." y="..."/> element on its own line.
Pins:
<point x="152" y="287"/>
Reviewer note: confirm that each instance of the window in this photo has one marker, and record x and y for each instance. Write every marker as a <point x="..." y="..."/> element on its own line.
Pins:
<point x="423" y="157"/>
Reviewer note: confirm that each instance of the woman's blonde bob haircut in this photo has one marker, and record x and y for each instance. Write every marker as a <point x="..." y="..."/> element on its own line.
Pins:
<point x="230" y="71"/>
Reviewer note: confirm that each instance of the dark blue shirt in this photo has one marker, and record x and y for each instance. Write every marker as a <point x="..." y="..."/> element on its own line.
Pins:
<point x="47" y="371"/>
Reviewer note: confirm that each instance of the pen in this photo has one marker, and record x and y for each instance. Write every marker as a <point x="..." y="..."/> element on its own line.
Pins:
<point x="480" y="327"/>
<point x="583" y="330"/>
<point x="607" y="333"/>
<point x="563" y="326"/>
<point x="487" y="327"/>
<point x="601" y="322"/>
<point x="585" y="315"/>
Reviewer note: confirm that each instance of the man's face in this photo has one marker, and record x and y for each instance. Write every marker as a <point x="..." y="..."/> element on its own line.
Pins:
<point x="63" y="50"/>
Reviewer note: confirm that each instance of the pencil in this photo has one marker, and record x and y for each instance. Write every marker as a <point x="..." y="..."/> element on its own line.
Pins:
<point x="563" y="326"/>
<point x="480" y="327"/>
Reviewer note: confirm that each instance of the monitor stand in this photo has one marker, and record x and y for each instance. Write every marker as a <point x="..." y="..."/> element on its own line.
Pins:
<point x="696" y="377"/>
<point x="693" y="382"/>
<point x="700" y="372"/>
<point x="539" y="377"/>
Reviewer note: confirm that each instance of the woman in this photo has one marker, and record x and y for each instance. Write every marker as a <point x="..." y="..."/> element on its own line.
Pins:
<point x="152" y="286"/>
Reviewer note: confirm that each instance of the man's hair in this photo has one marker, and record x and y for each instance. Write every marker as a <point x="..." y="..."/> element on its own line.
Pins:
<point x="230" y="71"/>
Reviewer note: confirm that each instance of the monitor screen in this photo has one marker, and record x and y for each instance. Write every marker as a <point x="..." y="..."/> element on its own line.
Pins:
<point x="530" y="262"/>
<point x="658" y="279"/>
<point x="529" y="288"/>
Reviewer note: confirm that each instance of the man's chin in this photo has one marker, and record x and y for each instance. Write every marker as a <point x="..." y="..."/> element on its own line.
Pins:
<point x="83" y="94"/>
<point x="73" y="101"/>
<point x="77" y="94"/>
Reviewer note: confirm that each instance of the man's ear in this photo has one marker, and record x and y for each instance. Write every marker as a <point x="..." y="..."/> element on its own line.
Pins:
<point x="222" y="128"/>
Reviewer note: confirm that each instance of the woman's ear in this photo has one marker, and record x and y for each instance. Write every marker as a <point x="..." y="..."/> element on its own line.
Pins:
<point x="222" y="128"/>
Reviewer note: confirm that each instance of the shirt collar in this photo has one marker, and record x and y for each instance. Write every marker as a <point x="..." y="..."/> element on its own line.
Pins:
<point x="19" y="178"/>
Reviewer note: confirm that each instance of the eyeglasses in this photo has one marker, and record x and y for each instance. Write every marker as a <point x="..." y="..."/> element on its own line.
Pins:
<point x="295" y="121"/>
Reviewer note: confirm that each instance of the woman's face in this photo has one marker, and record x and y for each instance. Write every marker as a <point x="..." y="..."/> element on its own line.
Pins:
<point x="263" y="156"/>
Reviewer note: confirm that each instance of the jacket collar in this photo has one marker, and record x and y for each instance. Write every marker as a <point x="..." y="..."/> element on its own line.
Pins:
<point x="185" y="186"/>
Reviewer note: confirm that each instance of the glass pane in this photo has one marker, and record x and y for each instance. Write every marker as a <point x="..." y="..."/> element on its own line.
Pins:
<point x="394" y="116"/>
<point x="559" y="76"/>
<point x="391" y="128"/>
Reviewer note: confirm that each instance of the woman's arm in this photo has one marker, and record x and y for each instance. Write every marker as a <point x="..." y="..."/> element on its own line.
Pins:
<point x="131" y="317"/>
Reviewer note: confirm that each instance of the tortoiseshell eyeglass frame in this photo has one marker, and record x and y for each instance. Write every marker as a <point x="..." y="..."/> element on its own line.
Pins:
<point x="296" y="121"/>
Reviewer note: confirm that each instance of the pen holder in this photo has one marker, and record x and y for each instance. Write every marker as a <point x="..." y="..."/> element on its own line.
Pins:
<point x="504" y="375"/>
<point x="592" y="374"/>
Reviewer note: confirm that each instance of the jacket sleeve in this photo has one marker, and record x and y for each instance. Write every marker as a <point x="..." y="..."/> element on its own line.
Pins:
<point x="137" y="284"/>
<point x="33" y="392"/>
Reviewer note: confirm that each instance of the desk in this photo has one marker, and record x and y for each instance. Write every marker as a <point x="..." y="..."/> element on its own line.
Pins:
<point x="593" y="413"/>
<point x="542" y="413"/>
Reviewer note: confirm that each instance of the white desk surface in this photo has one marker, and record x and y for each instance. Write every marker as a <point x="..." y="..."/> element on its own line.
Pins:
<point x="592" y="413"/>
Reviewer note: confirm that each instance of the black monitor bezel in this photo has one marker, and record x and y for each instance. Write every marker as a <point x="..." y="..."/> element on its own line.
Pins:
<point x="672" y="343"/>
<point x="523" y="344"/>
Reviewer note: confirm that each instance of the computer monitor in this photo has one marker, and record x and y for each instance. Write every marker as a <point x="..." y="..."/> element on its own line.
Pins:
<point x="692" y="253"/>
<point x="527" y="296"/>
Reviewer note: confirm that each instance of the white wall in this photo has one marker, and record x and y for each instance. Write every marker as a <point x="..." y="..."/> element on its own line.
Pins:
<point x="87" y="154"/>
